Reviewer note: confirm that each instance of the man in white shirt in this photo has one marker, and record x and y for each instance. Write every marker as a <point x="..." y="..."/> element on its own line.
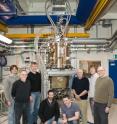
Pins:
<point x="92" y="81"/>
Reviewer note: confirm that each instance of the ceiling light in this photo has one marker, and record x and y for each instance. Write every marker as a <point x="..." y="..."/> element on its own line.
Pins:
<point x="5" y="39"/>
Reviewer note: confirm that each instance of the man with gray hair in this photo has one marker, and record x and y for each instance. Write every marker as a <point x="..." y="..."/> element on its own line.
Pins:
<point x="104" y="92"/>
<point x="21" y="93"/>
<point x="80" y="88"/>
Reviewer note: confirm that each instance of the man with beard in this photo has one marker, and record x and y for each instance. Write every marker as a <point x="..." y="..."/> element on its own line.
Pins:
<point x="49" y="109"/>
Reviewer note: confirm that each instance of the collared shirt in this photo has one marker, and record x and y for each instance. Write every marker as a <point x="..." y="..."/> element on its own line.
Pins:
<point x="92" y="81"/>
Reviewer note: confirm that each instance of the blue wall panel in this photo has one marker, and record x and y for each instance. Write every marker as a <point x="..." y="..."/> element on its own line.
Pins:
<point x="113" y="74"/>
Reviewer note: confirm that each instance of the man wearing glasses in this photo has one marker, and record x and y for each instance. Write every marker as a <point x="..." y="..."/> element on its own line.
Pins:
<point x="104" y="91"/>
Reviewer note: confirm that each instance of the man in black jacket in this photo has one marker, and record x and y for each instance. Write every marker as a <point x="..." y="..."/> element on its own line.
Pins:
<point x="22" y="96"/>
<point x="49" y="109"/>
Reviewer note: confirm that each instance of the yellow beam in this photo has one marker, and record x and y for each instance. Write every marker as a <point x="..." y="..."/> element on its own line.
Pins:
<point x="24" y="36"/>
<point x="15" y="36"/>
<point x="100" y="7"/>
<point x="3" y="27"/>
<point x="20" y="36"/>
<point x="79" y="35"/>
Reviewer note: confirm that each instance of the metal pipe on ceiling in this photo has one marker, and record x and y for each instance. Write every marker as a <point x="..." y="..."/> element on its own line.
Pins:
<point x="101" y="44"/>
<point x="113" y="41"/>
<point x="89" y="50"/>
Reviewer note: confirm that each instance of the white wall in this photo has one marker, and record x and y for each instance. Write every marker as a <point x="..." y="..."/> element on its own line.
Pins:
<point x="97" y="31"/>
<point x="92" y="56"/>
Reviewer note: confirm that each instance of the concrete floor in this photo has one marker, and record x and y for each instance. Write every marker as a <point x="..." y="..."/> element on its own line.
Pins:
<point x="112" y="116"/>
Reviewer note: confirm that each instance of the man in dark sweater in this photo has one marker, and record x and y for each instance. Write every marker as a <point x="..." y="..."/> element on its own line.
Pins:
<point x="80" y="88"/>
<point x="49" y="109"/>
<point x="35" y="79"/>
<point x="22" y="96"/>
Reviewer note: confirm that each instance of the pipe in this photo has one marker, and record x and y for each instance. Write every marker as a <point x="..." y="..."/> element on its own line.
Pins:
<point x="88" y="50"/>
<point x="7" y="13"/>
<point x="113" y="41"/>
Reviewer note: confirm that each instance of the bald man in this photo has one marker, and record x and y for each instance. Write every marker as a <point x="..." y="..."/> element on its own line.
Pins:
<point x="104" y="92"/>
<point x="80" y="88"/>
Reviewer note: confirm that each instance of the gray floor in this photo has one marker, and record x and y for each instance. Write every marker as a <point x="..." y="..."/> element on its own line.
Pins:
<point x="112" y="116"/>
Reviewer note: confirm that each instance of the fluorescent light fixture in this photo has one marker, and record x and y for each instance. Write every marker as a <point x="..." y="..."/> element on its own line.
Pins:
<point x="5" y="39"/>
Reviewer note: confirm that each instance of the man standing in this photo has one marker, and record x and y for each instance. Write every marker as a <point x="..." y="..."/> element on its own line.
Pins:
<point x="35" y="79"/>
<point x="104" y="92"/>
<point x="22" y="96"/>
<point x="49" y="109"/>
<point x="80" y="88"/>
<point x="8" y="82"/>
<point x="70" y="111"/>
<point x="92" y="81"/>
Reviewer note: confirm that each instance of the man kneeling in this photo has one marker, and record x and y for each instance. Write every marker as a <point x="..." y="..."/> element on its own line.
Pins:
<point x="70" y="111"/>
<point x="49" y="109"/>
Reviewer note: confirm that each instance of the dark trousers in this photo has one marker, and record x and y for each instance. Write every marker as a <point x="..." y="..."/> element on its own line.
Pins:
<point x="100" y="117"/>
<point x="21" y="110"/>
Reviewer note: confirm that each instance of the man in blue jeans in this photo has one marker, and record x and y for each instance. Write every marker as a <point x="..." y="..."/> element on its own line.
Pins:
<point x="70" y="111"/>
<point x="35" y="79"/>
<point x="8" y="82"/>
<point x="49" y="109"/>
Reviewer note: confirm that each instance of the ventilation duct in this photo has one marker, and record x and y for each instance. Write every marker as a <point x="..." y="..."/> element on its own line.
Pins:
<point x="106" y="23"/>
<point x="58" y="6"/>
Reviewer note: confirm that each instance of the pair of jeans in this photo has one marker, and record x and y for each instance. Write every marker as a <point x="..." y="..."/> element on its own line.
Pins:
<point x="60" y="121"/>
<point x="50" y="120"/>
<point x="21" y="110"/>
<point x="73" y="122"/>
<point x="100" y="116"/>
<point x="34" y="107"/>
<point x="11" y="114"/>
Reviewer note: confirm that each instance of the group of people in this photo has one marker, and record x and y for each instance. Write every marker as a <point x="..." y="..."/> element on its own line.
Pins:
<point x="23" y="95"/>
<point x="98" y="90"/>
